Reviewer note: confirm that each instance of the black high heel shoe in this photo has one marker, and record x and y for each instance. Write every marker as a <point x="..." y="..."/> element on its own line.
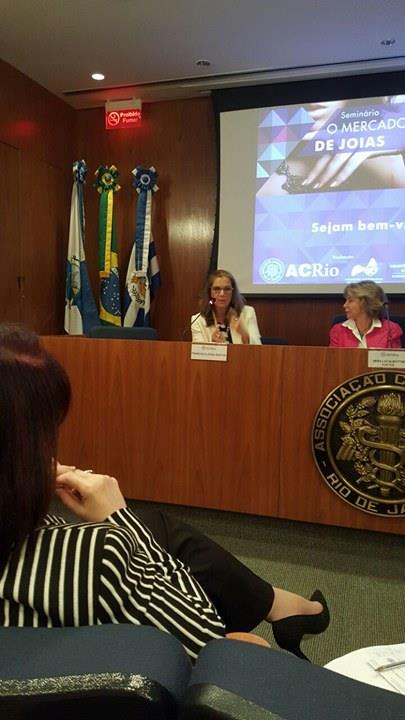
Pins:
<point x="288" y="632"/>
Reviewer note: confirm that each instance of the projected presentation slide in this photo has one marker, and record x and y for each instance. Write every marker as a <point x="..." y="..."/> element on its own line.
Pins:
<point x="329" y="204"/>
<point x="312" y="195"/>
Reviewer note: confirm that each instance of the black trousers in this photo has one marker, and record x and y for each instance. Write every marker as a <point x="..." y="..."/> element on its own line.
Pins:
<point x="242" y="598"/>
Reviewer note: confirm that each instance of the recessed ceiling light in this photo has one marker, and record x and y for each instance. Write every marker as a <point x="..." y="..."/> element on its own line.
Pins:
<point x="203" y="63"/>
<point x="388" y="41"/>
<point x="98" y="76"/>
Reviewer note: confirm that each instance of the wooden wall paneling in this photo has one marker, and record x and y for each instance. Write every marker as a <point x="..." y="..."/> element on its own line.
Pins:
<point x="311" y="374"/>
<point x="172" y="429"/>
<point x="178" y="139"/>
<point x="44" y="230"/>
<point x="303" y="321"/>
<point x="41" y="129"/>
<point x="10" y="247"/>
<point x="34" y="120"/>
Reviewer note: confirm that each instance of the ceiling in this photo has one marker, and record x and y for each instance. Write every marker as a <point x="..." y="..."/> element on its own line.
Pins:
<point x="149" y="49"/>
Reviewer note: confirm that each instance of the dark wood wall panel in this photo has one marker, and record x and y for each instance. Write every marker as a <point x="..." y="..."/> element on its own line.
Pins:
<point x="34" y="120"/>
<point x="45" y="190"/>
<point x="10" y="266"/>
<point x="178" y="139"/>
<point x="37" y="136"/>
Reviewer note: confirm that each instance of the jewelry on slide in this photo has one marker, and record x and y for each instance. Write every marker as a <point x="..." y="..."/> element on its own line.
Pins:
<point x="293" y="183"/>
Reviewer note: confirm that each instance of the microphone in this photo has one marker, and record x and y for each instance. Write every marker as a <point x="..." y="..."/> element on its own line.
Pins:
<point x="387" y="317"/>
<point x="211" y="302"/>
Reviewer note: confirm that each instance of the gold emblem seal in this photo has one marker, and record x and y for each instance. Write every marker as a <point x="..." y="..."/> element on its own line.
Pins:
<point x="358" y="442"/>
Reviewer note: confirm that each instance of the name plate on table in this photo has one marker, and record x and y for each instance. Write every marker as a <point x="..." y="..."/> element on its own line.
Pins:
<point x="386" y="359"/>
<point x="209" y="351"/>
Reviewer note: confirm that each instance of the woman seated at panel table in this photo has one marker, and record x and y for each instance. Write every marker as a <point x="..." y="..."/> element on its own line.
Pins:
<point x="112" y="565"/>
<point x="365" y="326"/>
<point x="224" y="316"/>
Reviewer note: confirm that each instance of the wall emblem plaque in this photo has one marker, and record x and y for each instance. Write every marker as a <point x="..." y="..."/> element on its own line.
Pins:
<point x="358" y="442"/>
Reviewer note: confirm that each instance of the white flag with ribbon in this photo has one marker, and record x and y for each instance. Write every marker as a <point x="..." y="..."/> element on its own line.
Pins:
<point x="80" y="308"/>
<point x="143" y="276"/>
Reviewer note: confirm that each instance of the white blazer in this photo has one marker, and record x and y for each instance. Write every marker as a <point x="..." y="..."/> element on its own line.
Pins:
<point x="202" y="333"/>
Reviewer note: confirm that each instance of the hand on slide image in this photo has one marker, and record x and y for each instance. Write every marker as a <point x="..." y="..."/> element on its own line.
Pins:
<point x="333" y="170"/>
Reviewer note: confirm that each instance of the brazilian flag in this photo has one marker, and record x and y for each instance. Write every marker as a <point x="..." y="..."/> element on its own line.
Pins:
<point x="110" y="304"/>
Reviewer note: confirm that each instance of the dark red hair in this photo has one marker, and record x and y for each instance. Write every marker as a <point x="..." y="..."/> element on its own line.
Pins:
<point x="34" y="399"/>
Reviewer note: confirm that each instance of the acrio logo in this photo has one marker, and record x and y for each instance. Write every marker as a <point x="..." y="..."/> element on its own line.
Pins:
<point x="272" y="270"/>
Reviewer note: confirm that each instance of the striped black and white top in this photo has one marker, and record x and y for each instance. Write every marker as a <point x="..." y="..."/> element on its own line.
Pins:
<point x="110" y="572"/>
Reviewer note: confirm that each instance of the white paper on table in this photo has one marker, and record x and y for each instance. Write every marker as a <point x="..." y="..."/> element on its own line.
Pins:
<point x="361" y="664"/>
<point x="390" y="654"/>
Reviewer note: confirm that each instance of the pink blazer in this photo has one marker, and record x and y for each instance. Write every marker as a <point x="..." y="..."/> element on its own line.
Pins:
<point x="341" y="336"/>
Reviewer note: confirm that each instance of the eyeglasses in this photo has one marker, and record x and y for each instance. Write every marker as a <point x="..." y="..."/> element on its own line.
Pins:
<point x="217" y="290"/>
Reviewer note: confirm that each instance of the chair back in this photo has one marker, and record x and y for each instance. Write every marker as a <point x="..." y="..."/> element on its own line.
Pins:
<point x="118" y="671"/>
<point x="123" y="333"/>
<point x="234" y="680"/>
<point x="400" y="320"/>
<point x="274" y="341"/>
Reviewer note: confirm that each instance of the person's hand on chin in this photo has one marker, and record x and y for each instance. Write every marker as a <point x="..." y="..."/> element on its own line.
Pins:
<point x="90" y="496"/>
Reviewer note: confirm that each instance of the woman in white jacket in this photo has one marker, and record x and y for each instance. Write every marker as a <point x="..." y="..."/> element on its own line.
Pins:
<point x="224" y="317"/>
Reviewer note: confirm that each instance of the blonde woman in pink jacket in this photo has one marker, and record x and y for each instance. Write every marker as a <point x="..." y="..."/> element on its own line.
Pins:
<point x="365" y="326"/>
